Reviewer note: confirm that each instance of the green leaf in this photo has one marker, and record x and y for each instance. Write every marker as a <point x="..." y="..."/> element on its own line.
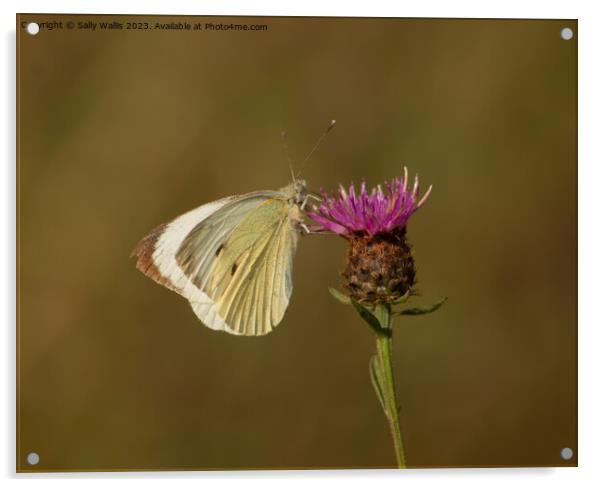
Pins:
<point x="339" y="296"/>
<point x="375" y="377"/>
<point x="367" y="315"/>
<point x="402" y="299"/>
<point x="422" y="310"/>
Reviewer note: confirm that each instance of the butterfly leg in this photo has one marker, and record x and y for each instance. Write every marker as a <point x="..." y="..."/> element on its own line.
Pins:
<point x="304" y="229"/>
<point x="306" y="199"/>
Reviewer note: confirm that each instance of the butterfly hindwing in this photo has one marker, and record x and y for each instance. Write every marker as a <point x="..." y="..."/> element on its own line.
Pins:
<point x="251" y="283"/>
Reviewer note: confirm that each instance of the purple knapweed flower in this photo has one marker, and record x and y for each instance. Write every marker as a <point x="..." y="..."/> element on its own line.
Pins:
<point x="380" y="265"/>
<point x="373" y="213"/>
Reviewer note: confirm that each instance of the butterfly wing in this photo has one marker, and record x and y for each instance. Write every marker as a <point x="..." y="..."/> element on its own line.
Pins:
<point x="232" y="259"/>
<point x="250" y="281"/>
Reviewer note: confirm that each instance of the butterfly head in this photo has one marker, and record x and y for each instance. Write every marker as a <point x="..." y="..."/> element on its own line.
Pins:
<point x="296" y="192"/>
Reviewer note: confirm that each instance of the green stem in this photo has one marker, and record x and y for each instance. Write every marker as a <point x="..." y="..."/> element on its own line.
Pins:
<point x="384" y="353"/>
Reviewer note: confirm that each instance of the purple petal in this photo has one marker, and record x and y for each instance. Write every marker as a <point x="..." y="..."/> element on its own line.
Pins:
<point x="378" y="211"/>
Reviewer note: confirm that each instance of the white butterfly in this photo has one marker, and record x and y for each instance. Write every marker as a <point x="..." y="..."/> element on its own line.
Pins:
<point x="232" y="258"/>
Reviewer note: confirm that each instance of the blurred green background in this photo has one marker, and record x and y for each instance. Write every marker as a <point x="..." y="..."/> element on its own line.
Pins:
<point x="119" y="131"/>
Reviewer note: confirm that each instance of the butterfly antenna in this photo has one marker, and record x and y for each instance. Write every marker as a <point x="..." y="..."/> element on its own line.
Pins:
<point x="284" y="136"/>
<point x="311" y="153"/>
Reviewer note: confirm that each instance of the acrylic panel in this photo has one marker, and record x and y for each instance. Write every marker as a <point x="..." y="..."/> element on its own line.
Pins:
<point x="126" y="122"/>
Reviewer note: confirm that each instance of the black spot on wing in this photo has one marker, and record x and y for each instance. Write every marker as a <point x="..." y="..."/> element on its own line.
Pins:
<point x="233" y="270"/>
<point x="220" y="249"/>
